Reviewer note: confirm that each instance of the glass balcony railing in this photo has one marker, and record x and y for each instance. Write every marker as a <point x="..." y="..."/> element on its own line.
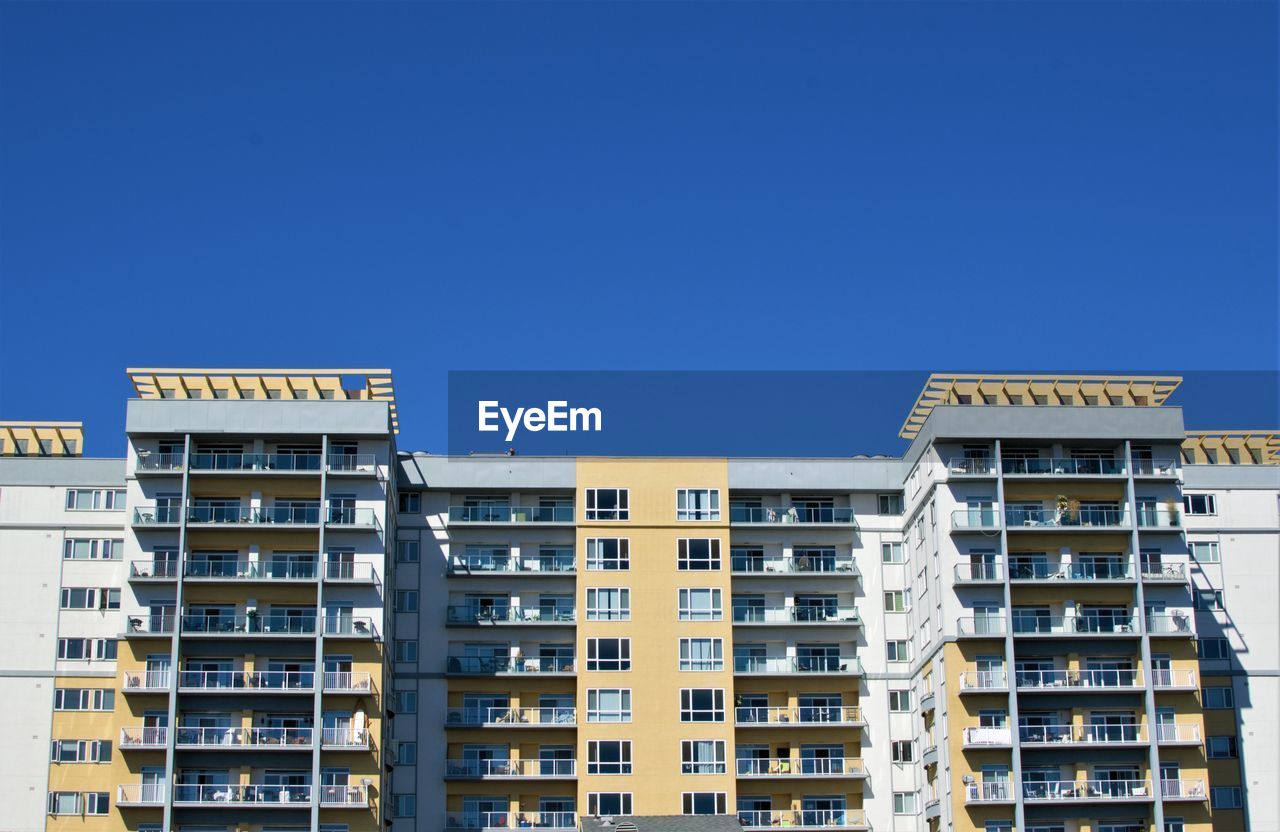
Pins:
<point x="511" y="514"/>
<point x="1119" y="679"/>
<point x="471" y="614"/>
<point x="993" y="736"/>
<point x="1123" y="734"/>
<point x="235" y="515"/>
<point x="797" y="664"/>
<point x="1086" y="790"/>
<point x="983" y="625"/>
<point x="1173" y="624"/>
<point x="833" y="715"/>
<point x="975" y="518"/>
<point x="1118" y="569"/>
<point x="807" y="515"/>
<point x="502" y="821"/>
<point x="838" y="819"/>
<point x="503" y="563"/>
<point x="1160" y="517"/>
<point x="231" y="624"/>
<point x="1063" y="466"/>
<point x="238" y="794"/>
<point x="801" y="767"/>
<point x="255" y="737"/>
<point x="499" y="769"/>
<point x="293" y="680"/>
<point x="233" y="462"/>
<point x="1088" y="623"/>
<point x="497" y="665"/>
<point x="1084" y="517"/>
<point x="781" y="614"/>
<point x="550" y="717"/>
<point x="806" y="564"/>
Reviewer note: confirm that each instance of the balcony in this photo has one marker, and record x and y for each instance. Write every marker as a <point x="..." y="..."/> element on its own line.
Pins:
<point x="796" y="666"/>
<point x="249" y="624"/>
<point x="1066" y="572"/>
<point x="146" y="681"/>
<point x="1174" y="680"/>
<point x="154" y="463"/>
<point x="819" y="564"/>
<point x="1093" y="681"/>
<point x="1172" y="573"/>
<point x="271" y="571"/>
<point x="262" y="681"/>
<point x="995" y="792"/>
<point x="348" y="682"/>
<point x="239" y="463"/>
<point x="975" y="520"/>
<point x="275" y="517"/>
<point x="803" y="820"/>
<point x="980" y="573"/>
<point x="1156" y="468"/>
<point x="1174" y="624"/>
<point x="1186" y="733"/>
<point x="153" y="570"/>
<point x="511" y="515"/>
<point x="984" y="681"/>
<point x="1063" y="467"/>
<point x="224" y="739"/>
<point x="980" y="737"/>
<point x="1087" y="791"/>
<point x="349" y="627"/>
<point x="1159" y="519"/>
<point x="505" y="821"/>
<point x="990" y="626"/>
<point x="511" y="717"/>
<point x="806" y="716"/>
<point x="780" y="614"/>
<point x="509" y="665"/>
<point x="345" y="739"/>
<point x="1087" y="518"/>
<point x="1184" y="790"/>
<point x="1088" y="624"/>
<point x="510" y="769"/>
<point x="353" y="465"/>
<point x="802" y="767"/>
<point x="237" y="795"/>
<point x="971" y="467"/>
<point x="1035" y="736"/>
<point x="792" y="515"/>
<point x="140" y="794"/>
<point x="143" y="626"/>
<point x="470" y="615"/>
<point x="502" y="564"/>
<point x="148" y="738"/>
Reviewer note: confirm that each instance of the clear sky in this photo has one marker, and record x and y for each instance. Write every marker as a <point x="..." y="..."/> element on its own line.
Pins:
<point x="646" y="185"/>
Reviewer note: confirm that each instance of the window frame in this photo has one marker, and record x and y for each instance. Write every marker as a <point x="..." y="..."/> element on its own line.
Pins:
<point x="624" y="655"/>
<point x="685" y="560"/>
<point x="621" y="557"/>
<point x="686" y="612"/>
<point x="687" y="664"/>
<point x="593" y="513"/>
<point x="594" y="612"/>
<point x="624" y="765"/>
<point x="713" y="501"/>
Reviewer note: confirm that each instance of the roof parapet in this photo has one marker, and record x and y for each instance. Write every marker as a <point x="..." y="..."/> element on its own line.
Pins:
<point x="41" y="438"/>
<point x="1231" y="447"/>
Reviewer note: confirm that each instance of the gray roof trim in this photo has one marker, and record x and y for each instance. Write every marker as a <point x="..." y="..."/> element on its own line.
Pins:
<point x="1264" y="477"/>
<point x="258" y="417"/>
<point x="447" y="473"/>
<point x="817" y="474"/>
<point x="66" y="470"/>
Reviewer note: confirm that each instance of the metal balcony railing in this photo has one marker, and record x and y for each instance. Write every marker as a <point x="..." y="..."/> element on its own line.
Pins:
<point x="498" y="769"/>
<point x="838" y="819"/>
<point x="550" y="717"/>
<point x="345" y="738"/>
<point x="348" y="682"/>
<point x="140" y="794"/>
<point x="472" y="614"/>
<point x="349" y="796"/>
<point x="1081" y="734"/>
<point x="972" y="466"/>
<point x="801" y="767"/>
<point x="1063" y="466"/>
<point x="1084" y="517"/>
<point x="797" y="664"/>
<point x="995" y="736"/>
<point x="148" y="461"/>
<point x="1176" y="572"/>
<point x="979" y="572"/>
<point x="504" y="564"/>
<point x="984" y="680"/>
<point x="151" y="624"/>
<point x="223" y="461"/>
<point x="999" y="791"/>
<point x="144" y="737"/>
<point x="986" y="518"/>
<point x="352" y="463"/>
<point x="807" y="515"/>
<point x="167" y="569"/>
<point x="502" y="821"/>
<point x="1155" y="467"/>
<point x="256" y="737"/>
<point x="1105" y="679"/>
<point x="1086" y="790"/>
<point x="1088" y="623"/>
<point x="495" y="665"/>
<point x="1183" y="790"/>
<point x="511" y="514"/>
<point x="1173" y="624"/>
<point x="1179" y="679"/>
<point x="1178" y="733"/>
<point x="795" y="565"/>
<point x="834" y="715"/>
<point x="782" y="614"/>
<point x="146" y="681"/>
<point x="235" y="794"/>
<point x="274" y="680"/>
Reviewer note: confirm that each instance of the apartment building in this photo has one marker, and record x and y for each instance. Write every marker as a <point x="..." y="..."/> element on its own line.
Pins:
<point x="1043" y="616"/>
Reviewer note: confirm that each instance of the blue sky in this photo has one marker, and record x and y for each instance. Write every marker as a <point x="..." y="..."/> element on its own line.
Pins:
<point x="649" y="185"/>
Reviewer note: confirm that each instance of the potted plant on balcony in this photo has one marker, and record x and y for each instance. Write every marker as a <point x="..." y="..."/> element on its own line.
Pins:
<point x="1063" y="504"/>
<point x="1073" y="513"/>
<point x="1171" y="506"/>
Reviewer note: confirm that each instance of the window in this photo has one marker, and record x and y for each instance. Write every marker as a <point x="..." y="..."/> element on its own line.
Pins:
<point x="606" y="554"/>
<point x="900" y="701"/>
<point x="410" y="502"/>
<point x="80" y="751"/>
<point x="609" y="803"/>
<point x="74" y="648"/>
<point x="608" y="604"/>
<point x="898" y="651"/>
<point x="904" y="751"/>
<point x="701" y="604"/>
<point x="1205" y="551"/>
<point x="84" y="699"/>
<point x="405" y="805"/>
<point x="64" y="803"/>
<point x="608" y="705"/>
<point x="698" y="554"/>
<point x="108" y="599"/>
<point x="406" y="600"/>
<point x="608" y="504"/>
<point x="898" y="600"/>
<point x="608" y="654"/>
<point x="891" y="553"/>
<point x="96" y="803"/>
<point x="95" y="499"/>
<point x="1218" y="699"/>
<point x="407" y="753"/>
<point x="904" y="803"/>
<point x="82" y="549"/>
<point x="702" y="705"/>
<point x="698" y="504"/>
<point x="406" y="650"/>
<point x="1225" y="797"/>
<point x="407" y="551"/>
<point x="76" y="598"/>
<point x="1208" y="599"/>
<point x="408" y="701"/>
<point x="1174" y="825"/>
<point x="609" y="757"/>
<point x="889" y="504"/>
<point x="1200" y="504"/>
<point x="1221" y="748"/>
<point x="1213" y="648"/>
<point x="702" y="757"/>
<point x="704" y="803"/>
<point x="105" y="649"/>
<point x="701" y="654"/>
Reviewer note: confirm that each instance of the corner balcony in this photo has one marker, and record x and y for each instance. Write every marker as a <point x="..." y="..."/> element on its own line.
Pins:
<point x="150" y="626"/>
<point x="1088" y="624"/>
<point x="506" y="565"/>
<point x="745" y="566"/>
<point x="1172" y="573"/>
<point x="149" y="571"/>
<point x="511" y="515"/>
<point x="1113" y="736"/>
<point x="984" y="681"/>
<point x="239" y="739"/>
<point x="509" y="666"/>
<point x="146" y="681"/>
<point x="470" y="615"/>
<point x="359" y="682"/>
<point x="148" y="738"/>
<point x="511" y="718"/>
<point x="980" y="737"/>
<point x="807" y="716"/>
<point x="140" y="794"/>
<point x="1088" y="791"/>
<point x="800" y="615"/>
<point x="971" y="467"/>
<point x="802" y="767"/>
<point x="796" y="666"/>
<point x="990" y="626"/>
<point x="505" y="821"/>
<point x="975" y="520"/>
<point x="804" y="820"/>
<point x="1174" y="680"/>
<point x="998" y="792"/>
<point x="239" y="681"/>
<point x="1086" y="519"/>
<point x="344" y="797"/>
<point x="831" y="516"/>
<point x="151" y="463"/>
<point x="510" y="770"/>
<point x="1166" y="469"/>
<point x="353" y="465"/>
<point x="1172" y="625"/>
<point x="345" y="739"/>
<point x="1183" y="733"/>
<point x="1044" y="467"/>
<point x="1159" y="519"/>
<point x="270" y="571"/>
<point x="1189" y="791"/>
<point x="1088" y="681"/>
